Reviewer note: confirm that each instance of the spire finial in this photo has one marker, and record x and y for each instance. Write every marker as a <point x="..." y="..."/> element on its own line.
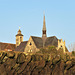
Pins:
<point x="44" y="13"/>
<point x="19" y="27"/>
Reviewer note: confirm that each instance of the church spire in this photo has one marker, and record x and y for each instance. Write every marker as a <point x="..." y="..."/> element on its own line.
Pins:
<point x="44" y="36"/>
<point x="44" y="28"/>
<point x="44" y="24"/>
<point x="19" y="38"/>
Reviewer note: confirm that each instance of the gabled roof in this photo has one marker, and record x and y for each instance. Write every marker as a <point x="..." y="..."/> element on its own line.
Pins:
<point x="19" y="35"/>
<point x="21" y="47"/>
<point x="4" y="46"/>
<point x="51" y="41"/>
<point x="38" y="41"/>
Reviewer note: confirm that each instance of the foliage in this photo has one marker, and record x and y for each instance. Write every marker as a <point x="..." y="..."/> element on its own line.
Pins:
<point x="48" y="50"/>
<point x="73" y="53"/>
<point x="72" y="47"/>
<point x="67" y="57"/>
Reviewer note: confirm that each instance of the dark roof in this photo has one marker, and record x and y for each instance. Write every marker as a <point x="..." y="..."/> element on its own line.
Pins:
<point x="19" y="30"/>
<point x="19" y="35"/>
<point x="4" y="46"/>
<point x="38" y="41"/>
<point x="21" y="47"/>
<point x="51" y="41"/>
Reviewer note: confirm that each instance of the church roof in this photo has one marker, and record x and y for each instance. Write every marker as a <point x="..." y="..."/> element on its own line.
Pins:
<point x="21" y="47"/>
<point x="19" y="35"/>
<point x="38" y="41"/>
<point x="51" y="41"/>
<point x="19" y="30"/>
<point x="4" y="46"/>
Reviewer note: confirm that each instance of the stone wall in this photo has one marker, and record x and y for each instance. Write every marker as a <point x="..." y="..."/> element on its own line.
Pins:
<point x="31" y="47"/>
<point x="19" y="39"/>
<point x="17" y="63"/>
<point x="61" y="44"/>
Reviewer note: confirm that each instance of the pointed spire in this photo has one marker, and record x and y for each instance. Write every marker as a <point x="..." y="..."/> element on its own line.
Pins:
<point x="19" y="31"/>
<point x="44" y="36"/>
<point x="44" y="24"/>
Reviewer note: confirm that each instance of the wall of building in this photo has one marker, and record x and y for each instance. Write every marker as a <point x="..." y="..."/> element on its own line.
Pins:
<point x="61" y="44"/>
<point x="31" y="47"/>
<point x="19" y="39"/>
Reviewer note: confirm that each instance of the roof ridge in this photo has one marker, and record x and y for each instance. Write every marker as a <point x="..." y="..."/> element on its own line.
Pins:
<point x="51" y="36"/>
<point x="36" y="36"/>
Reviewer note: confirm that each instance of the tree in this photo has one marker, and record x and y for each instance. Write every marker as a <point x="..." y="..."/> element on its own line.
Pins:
<point x="72" y="47"/>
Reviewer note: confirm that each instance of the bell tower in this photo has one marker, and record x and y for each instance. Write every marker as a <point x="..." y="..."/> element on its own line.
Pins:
<point x="19" y="38"/>
<point x="44" y="36"/>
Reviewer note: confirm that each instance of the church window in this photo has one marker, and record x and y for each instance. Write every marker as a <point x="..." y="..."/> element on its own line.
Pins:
<point x="30" y="51"/>
<point x="44" y="32"/>
<point x="61" y="46"/>
<point x="30" y="43"/>
<point x="21" y="39"/>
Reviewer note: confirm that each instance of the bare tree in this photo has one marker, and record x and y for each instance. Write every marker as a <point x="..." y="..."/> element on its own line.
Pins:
<point x="72" y="47"/>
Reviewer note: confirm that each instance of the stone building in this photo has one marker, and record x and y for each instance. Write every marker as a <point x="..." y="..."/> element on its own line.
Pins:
<point x="35" y="43"/>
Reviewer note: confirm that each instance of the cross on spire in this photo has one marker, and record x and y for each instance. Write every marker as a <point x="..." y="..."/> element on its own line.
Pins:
<point x="19" y="27"/>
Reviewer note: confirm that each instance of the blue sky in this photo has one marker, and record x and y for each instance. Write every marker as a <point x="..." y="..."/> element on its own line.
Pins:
<point x="28" y="14"/>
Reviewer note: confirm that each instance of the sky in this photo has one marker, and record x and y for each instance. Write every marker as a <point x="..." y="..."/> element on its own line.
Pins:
<point x="28" y="14"/>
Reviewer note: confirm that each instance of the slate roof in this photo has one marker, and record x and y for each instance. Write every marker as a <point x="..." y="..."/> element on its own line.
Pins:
<point x="21" y="47"/>
<point x="19" y="35"/>
<point x="51" y="41"/>
<point x="38" y="41"/>
<point x="4" y="46"/>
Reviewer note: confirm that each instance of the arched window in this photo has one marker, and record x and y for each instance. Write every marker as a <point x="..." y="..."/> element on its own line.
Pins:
<point x="61" y="46"/>
<point x="30" y="44"/>
<point x="44" y="32"/>
<point x="30" y="51"/>
<point x="21" y="39"/>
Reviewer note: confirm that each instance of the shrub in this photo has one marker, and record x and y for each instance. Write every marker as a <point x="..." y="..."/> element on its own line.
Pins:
<point x="73" y="53"/>
<point x="48" y="50"/>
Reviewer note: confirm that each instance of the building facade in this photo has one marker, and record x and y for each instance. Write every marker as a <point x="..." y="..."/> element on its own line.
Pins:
<point x="35" y="43"/>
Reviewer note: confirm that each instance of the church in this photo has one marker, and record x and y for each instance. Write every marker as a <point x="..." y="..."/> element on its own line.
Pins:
<point x="34" y="43"/>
